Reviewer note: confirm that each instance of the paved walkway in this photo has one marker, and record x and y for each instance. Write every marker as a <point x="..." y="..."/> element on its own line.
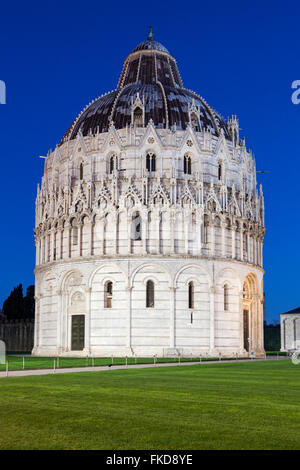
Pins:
<point x="66" y="370"/>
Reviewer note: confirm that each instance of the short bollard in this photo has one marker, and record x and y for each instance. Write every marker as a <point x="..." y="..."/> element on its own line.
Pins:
<point x="112" y="360"/>
<point x="23" y="362"/>
<point x="6" y="368"/>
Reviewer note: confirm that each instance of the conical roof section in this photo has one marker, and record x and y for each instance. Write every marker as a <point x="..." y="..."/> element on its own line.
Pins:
<point x="150" y="62"/>
<point x="150" y="74"/>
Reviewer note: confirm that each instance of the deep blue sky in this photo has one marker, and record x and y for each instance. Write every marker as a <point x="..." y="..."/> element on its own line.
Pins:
<point x="241" y="57"/>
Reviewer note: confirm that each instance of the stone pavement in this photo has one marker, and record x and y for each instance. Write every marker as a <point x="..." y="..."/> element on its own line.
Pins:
<point x="66" y="370"/>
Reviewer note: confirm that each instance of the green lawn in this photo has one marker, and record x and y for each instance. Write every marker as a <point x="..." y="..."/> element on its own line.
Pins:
<point x="252" y="405"/>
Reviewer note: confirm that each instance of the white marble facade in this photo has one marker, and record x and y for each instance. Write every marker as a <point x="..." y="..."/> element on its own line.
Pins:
<point x="107" y="223"/>
<point x="290" y="331"/>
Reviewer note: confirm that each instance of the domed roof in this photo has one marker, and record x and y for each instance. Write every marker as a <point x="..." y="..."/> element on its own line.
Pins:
<point x="150" y="44"/>
<point x="150" y="76"/>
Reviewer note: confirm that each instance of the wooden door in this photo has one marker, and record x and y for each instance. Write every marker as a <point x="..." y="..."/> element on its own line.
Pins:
<point x="246" y="330"/>
<point x="77" y="341"/>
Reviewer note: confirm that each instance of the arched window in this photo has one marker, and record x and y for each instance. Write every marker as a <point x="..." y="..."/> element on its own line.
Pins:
<point x="191" y="295"/>
<point x="220" y="171"/>
<point x="108" y="293"/>
<point x="75" y="234"/>
<point x="150" y="294"/>
<point x="150" y="162"/>
<point x="195" y="122"/>
<point x="136" y="231"/>
<point x="81" y="171"/>
<point x="187" y="165"/>
<point x="112" y="164"/>
<point x="138" y="117"/>
<point x="226" y="297"/>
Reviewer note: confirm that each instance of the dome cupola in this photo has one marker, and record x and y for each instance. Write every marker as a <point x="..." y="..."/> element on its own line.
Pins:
<point x="150" y="73"/>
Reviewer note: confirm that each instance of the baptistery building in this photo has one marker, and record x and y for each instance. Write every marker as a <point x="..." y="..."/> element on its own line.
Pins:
<point x="149" y="226"/>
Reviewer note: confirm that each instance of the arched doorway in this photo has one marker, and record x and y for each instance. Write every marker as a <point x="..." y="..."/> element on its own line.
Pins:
<point x="251" y="316"/>
<point x="77" y="309"/>
<point x="77" y="333"/>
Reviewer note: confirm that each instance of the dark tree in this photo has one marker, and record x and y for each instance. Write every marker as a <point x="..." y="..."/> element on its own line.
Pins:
<point x="28" y="303"/>
<point x="18" y="307"/>
<point x="272" y="337"/>
<point x="13" y="306"/>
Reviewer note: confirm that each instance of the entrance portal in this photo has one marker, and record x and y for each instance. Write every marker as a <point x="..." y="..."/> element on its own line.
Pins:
<point x="246" y="330"/>
<point x="77" y="342"/>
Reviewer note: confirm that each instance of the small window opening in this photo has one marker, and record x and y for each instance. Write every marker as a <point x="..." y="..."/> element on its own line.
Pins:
<point x="150" y="294"/>
<point x="191" y="294"/>
<point x="108" y="292"/>
<point x="138" y="117"/>
<point x="226" y="297"/>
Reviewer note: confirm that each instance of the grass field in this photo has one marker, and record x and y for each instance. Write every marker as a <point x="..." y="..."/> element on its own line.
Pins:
<point x="252" y="405"/>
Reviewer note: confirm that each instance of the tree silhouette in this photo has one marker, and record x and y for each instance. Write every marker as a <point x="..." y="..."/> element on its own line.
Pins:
<point x="18" y="307"/>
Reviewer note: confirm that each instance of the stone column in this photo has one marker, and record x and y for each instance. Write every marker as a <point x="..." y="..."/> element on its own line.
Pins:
<point x="211" y="319"/>
<point x="70" y="241"/>
<point x="248" y="257"/>
<point x="258" y="252"/>
<point x="104" y="223"/>
<point x="53" y="254"/>
<point x="91" y="247"/>
<point x="40" y="341"/>
<point x="37" y="252"/>
<point x="157" y="241"/>
<point x="80" y="227"/>
<point x="199" y="230"/>
<point x="129" y="317"/>
<point x="144" y="233"/>
<point x="254" y="250"/>
<point x="242" y="244"/>
<point x="233" y="233"/>
<point x="172" y="241"/>
<point x="172" y="316"/>
<point x="241" y="310"/>
<point x="129" y="234"/>
<point x="46" y="247"/>
<point x="61" y="244"/>
<point x="87" y="333"/>
<point x="223" y="247"/>
<point x="261" y="324"/>
<point x="212" y="238"/>
<point x="186" y="223"/>
<point x="59" y="320"/>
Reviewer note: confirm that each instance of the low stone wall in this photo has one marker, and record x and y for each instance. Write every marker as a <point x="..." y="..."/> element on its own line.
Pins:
<point x="17" y="334"/>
